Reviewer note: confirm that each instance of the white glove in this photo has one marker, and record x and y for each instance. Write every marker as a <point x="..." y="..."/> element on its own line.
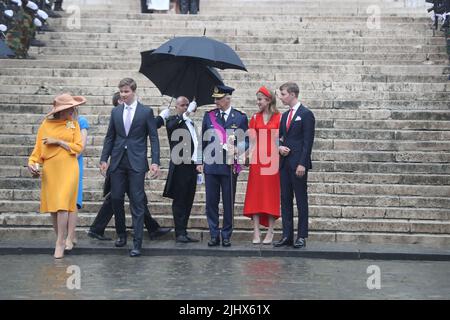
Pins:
<point x="33" y="6"/>
<point x="165" y="114"/>
<point x="192" y="107"/>
<point x="9" y="13"/>
<point x="37" y="22"/>
<point x="42" y="14"/>
<point x="186" y="117"/>
<point x="3" y="28"/>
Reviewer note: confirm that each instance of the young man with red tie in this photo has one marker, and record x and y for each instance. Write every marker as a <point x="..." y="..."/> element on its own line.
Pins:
<point x="296" y="142"/>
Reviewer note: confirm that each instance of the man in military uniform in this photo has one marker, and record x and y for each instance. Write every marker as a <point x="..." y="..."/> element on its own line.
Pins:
<point x="221" y="129"/>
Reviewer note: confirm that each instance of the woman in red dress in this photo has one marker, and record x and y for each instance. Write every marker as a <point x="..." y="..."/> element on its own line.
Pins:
<point x="262" y="199"/>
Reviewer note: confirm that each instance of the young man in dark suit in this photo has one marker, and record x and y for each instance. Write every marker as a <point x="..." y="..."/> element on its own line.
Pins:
<point x="105" y="213"/>
<point x="126" y="144"/>
<point x="296" y="142"/>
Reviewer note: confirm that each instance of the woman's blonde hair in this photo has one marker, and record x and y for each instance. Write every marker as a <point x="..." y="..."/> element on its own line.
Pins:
<point x="273" y="101"/>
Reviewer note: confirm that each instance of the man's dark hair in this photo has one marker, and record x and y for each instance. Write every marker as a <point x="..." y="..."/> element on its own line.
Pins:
<point x="291" y="87"/>
<point x="128" y="82"/>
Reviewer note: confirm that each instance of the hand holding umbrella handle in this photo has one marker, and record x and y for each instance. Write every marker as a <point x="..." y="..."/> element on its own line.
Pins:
<point x="192" y="107"/>
<point x="165" y="114"/>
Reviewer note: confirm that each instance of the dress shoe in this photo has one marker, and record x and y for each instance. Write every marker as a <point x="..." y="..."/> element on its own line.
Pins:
<point x="226" y="243"/>
<point x="159" y="233"/>
<point x="46" y="28"/>
<point x="214" y="242"/>
<point x="37" y="43"/>
<point x="98" y="236"/>
<point x="53" y="14"/>
<point x="135" y="253"/>
<point x="283" y="242"/>
<point x="121" y="242"/>
<point x="300" y="243"/>
<point x="185" y="239"/>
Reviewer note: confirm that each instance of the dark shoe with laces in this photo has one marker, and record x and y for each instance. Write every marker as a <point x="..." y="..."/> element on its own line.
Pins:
<point x="226" y="243"/>
<point x="283" y="242"/>
<point x="214" y="242"/>
<point x="300" y="243"/>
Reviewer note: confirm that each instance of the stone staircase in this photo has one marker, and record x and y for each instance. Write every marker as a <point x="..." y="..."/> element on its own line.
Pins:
<point x="380" y="96"/>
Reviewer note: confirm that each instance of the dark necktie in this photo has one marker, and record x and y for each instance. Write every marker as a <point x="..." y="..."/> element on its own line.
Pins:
<point x="222" y="116"/>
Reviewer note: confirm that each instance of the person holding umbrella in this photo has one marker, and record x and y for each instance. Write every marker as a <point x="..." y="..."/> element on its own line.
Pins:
<point x="220" y="128"/>
<point x="182" y="177"/>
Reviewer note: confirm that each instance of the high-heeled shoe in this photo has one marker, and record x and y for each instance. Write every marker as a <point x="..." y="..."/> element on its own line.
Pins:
<point x="59" y="254"/>
<point x="267" y="239"/>
<point x="256" y="240"/>
<point x="69" y="246"/>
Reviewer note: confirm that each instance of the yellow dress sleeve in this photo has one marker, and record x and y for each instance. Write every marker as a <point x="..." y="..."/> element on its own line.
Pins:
<point x="35" y="156"/>
<point x="76" y="146"/>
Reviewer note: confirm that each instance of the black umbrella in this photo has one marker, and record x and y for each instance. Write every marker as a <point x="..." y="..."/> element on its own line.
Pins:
<point x="212" y="52"/>
<point x="180" y="76"/>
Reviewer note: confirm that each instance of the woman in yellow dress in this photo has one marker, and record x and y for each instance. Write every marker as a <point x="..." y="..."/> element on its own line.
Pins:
<point x="58" y="142"/>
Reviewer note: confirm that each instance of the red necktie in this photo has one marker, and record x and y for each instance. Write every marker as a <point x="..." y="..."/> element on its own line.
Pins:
<point x="289" y="118"/>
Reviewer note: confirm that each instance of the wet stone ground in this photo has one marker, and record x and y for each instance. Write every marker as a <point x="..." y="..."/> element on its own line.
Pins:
<point x="184" y="277"/>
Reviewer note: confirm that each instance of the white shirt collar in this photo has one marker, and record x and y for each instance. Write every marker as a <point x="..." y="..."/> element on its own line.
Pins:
<point x="132" y="106"/>
<point x="227" y="112"/>
<point x="296" y="106"/>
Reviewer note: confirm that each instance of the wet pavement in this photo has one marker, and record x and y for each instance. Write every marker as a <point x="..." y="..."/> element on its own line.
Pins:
<point x="39" y="276"/>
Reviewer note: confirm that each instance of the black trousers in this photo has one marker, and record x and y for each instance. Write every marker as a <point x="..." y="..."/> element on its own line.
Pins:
<point x="124" y="178"/>
<point x="105" y="214"/>
<point x="185" y="178"/>
<point x="291" y="184"/>
<point x="189" y="6"/>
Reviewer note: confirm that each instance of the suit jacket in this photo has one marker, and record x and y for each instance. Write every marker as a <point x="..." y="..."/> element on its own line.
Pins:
<point x="173" y="123"/>
<point x="299" y="138"/>
<point x="107" y="184"/>
<point x="143" y="125"/>
<point x="236" y="120"/>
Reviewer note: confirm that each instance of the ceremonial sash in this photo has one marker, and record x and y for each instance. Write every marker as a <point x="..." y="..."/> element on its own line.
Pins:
<point x="223" y="138"/>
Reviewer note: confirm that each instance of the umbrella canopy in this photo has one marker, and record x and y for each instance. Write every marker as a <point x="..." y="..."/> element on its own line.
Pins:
<point x="181" y="76"/>
<point x="212" y="52"/>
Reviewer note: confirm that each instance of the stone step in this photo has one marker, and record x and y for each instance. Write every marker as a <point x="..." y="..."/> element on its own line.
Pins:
<point x="92" y="174"/>
<point x="86" y="69"/>
<point x="361" y="166"/>
<point x="338" y="150"/>
<point x="96" y="138"/>
<point x="20" y="233"/>
<point x="101" y="83"/>
<point x="198" y="221"/>
<point x="423" y="59"/>
<point x="114" y="15"/>
<point x="305" y="94"/>
<point x="301" y="38"/>
<point x="333" y="200"/>
<point x="350" y="31"/>
<point x="227" y="75"/>
<point x="94" y="183"/>
<point x="117" y="49"/>
<point x="193" y="23"/>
